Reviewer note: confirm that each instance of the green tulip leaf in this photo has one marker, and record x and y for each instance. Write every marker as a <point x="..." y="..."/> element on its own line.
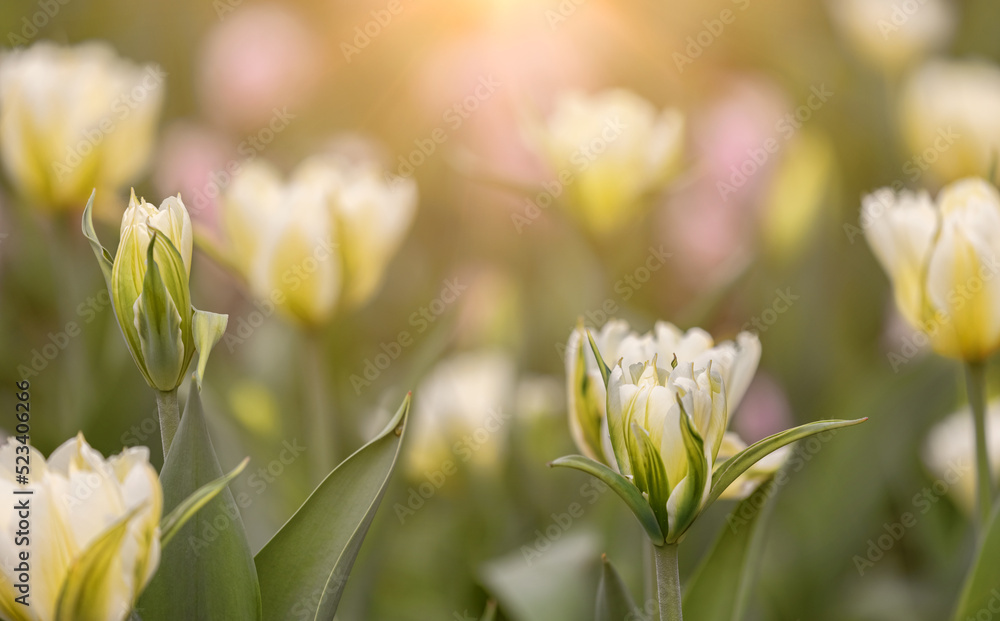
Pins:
<point x="304" y="567"/>
<point x="982" y="585"/>
<point x="208" y="329"/>
<point x="605" y="370"/>
<point x="622" y="486"/>
<point x="208" y="572"/>
<point x="104" y="258"/>
<point x="721" y="585"/>
<point x="745" y="459"/>
<point x="614" y="602"/>
<point x="177" y="518"/>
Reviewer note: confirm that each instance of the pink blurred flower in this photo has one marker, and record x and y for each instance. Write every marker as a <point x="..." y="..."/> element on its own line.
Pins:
<point x="193" y="161"/>
<point x="260" y="58"/>
<point x="764" y="410"/>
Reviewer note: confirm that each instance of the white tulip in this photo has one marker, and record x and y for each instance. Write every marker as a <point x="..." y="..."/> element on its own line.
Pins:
<point x="322" y="239"/>
<point x="889" y="35"/>
<point x="461" y="410"/>
<point x="736" y="362"/>
<point x="942" y="258"/>
<point x="75" y="118"/>
<point x="950" y="115"/>
<point x="610" y="151"/>
<point x="949" y="453"/>
<point x="77" y="497"/>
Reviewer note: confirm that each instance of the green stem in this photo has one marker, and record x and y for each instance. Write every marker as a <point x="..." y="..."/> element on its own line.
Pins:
<point x="668" y="582"/>
<point x="648" y="570"/>
<point x="170" y="417"/>
<point x="975" y="377"/>
<point x="318" y="412"/>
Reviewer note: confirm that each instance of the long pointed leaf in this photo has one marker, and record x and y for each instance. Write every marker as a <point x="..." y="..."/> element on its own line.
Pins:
<point x="622" y="486"/>
<point x="605" y="371"/>
<point x="303" y="569"/>
<point x="104" y="258"/>
<point x="614" y="602"/>
<point x="208" y="572"/>
<point x="721" y="584"/>
<point x="982" y="586"/>
<point x="177" y="518"/>
<point x="746" y="458"/>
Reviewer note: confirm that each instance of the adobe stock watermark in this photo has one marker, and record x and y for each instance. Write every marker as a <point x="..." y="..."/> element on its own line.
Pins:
<point x="957" y="298"/>
<point x="461" y="452"/>
<point x="291" y="280"/>
<point x="121" y="108"/>
<point x="698" y="43"/>
<point x="922" y="502"/>
<point x="990" y="609"/>
<point x="258" y="481"/>
<point x="249" y="149"/>
<point x="913" y="169"/>
<point x="561" y="522"/>
<point x="784" y="128"/>
<point x="783" y="300"/>
<point x="579" y="162"/>
<point x="41" y="17"/>
<point x="453" y="118"/>
<point x="87" y="311"/>
<point x="419" y="320"/>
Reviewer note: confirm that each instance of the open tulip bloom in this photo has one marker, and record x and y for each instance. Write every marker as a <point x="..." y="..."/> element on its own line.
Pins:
<point x="941" y="256"/>
<point x="663" y="431"/>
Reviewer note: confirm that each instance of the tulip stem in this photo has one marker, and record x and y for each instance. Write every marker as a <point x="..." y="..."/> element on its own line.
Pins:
<point x="668" y="582"/>
<point x="975" y="377"/>
<point x="170" y="417"/>
<point x="318" y="412"/>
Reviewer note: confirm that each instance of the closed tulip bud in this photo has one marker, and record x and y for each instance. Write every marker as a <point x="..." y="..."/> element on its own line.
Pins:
<point x="736" y="362"/>
<point x="148" y="279"/>
<point x="75" y="118"/>
<point x="95" y="536"/>
<point x="321" y="240"/>
<point x="610" y="152"/>
<point x="942" y="258"/>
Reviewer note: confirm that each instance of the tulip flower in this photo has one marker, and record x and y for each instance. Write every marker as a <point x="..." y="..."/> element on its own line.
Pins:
<point x="75" y="118"/>
<point x="950" y="118"/>
<point x="942" y="259"/>
<point x="735" y="361"/>
<point x="882" y="33"/>
<point x="461" y="410"/>
<point x="664" y="429"/>
<point x="610" y="151"/>
<point x="95" y="535"/>
<point x="319" y="241"/>
<point x="949" y="449"/>
<point x="148" y="279"/>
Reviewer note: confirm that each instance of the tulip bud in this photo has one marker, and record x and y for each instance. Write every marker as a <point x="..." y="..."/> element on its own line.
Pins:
<point x="943" y="259"/>
<point x="75" y="118"/>
<point x="148" y="279"/>
<point x="610" y="151"/>
<point x="95" y="540"/>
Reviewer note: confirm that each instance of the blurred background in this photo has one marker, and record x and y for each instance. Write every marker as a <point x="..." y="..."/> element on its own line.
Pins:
<point x="792" y="112"/>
